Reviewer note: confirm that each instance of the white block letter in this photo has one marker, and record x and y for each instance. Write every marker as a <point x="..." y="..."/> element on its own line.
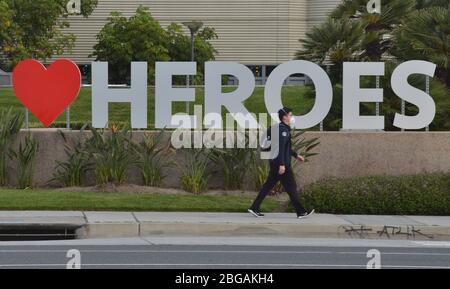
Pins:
<point x="165" y="94"/>
<point x="401" y="87"/>
<point x="233" y="101"/>
<point x="353" y="95"/>
<point x="136" y="95"/>
<point x="324" y="91"/>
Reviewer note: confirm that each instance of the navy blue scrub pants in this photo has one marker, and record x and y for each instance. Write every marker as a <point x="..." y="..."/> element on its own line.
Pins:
<point x="287" y="180"/>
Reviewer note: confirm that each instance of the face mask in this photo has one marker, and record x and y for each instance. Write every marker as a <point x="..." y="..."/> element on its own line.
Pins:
<point x="292" y="124"/>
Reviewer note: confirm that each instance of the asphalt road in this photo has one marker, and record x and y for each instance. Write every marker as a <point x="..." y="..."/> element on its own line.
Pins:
<point x="228" y="253"/>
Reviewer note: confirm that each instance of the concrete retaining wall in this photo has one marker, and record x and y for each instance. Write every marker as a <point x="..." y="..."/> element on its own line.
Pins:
<point x="341" y="154"/>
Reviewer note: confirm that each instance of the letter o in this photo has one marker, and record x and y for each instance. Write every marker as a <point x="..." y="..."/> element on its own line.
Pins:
<point x="324" y="91"/>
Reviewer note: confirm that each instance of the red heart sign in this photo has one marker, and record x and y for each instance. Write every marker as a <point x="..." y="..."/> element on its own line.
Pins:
<point x="46" y="92"/>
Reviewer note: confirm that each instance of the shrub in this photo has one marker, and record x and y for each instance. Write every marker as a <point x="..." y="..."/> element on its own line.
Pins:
<point x="194" y="177"/>
<point x="72" y="171"/>
<point x="234" y="163"/>
<point x="422" y="194"/>
<point x="111" y="154"/>
<point x="259" y="170"/>
<point x="25" y="157"/>
<point x="10" y="124"/>
<point x="152" y="158"/>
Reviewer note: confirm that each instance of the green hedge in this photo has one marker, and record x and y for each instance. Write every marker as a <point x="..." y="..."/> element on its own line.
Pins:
<point x="422" y="194"/>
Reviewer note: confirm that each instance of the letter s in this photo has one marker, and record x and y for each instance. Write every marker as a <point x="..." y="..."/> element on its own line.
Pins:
<point x="401" y="87"/>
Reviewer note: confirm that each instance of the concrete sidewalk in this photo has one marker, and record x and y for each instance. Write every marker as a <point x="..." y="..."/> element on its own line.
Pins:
<point x="133" y="224"/>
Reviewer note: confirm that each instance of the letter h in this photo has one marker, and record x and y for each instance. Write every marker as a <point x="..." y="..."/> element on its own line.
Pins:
<point x="136" y="94"/>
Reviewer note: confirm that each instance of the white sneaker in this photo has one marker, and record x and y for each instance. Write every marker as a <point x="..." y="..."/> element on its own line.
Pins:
<point x="255" y="213"/>
<point x="305" y="215"/>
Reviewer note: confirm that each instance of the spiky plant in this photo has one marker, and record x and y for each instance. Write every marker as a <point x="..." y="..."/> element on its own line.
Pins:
<point x="72" y="171"/>
<point x="111" y="154"/>
<point x="10" y="124"/>
<point x="233" y="163"/>
<point x="25" y="157"/>
<point x="194" y="177"/>
<point x="152" y="157"/>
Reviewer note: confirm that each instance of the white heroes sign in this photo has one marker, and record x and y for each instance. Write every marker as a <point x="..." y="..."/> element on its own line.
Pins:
<point x="233" y="101"/>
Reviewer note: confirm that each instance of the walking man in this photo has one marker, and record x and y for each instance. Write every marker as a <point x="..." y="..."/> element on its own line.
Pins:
<point x="281" y="170"/>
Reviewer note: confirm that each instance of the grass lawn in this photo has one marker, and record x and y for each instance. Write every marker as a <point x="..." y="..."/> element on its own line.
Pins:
<point x="292" y="96"/>
<point x="12" y="199"/>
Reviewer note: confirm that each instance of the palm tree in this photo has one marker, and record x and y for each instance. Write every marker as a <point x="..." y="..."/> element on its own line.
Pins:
<point x="333" y="42"/>
<point x="400" y="31"/>
<point x="421" y="4"/>
<point x="376" y="41"/>
<point x="425" y="34"/>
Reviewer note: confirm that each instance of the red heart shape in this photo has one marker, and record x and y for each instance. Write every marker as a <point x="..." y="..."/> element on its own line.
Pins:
<point x="46" y="92"/>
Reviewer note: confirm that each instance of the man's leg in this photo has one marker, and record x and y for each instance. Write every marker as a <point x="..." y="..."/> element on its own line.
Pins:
<point x="271" y="181"/>
<point x="289" y="184"/>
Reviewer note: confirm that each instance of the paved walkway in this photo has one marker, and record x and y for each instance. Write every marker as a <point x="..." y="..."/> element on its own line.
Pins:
<point x="131" y="224"/>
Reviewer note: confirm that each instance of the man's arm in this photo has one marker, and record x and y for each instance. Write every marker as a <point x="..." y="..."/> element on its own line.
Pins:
<point x="283" y="135"/>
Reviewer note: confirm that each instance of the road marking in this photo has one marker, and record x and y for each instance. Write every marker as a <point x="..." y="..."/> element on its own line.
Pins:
<point x="400" y="253"/>
<point x="230" y="265"/>
<point x="433" y="243"/>
<point x="175" y="251"/>
<point x="230" y="251"/>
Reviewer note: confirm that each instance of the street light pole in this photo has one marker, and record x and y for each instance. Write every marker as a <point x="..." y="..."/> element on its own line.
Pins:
<point x="194" y="27"/>
<point x="192" y="46"/>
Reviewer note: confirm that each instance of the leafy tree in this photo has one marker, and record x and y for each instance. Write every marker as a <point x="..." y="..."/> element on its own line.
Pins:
<point x="8" y="31"/>
<point x="122" y="40"/>
<point x="141" y="38"/>
<point x="34" y="29"/>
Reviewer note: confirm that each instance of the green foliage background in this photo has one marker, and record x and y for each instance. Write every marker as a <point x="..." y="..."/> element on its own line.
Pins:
<point x="33" y="29"/>
<point x="405" y="30"/>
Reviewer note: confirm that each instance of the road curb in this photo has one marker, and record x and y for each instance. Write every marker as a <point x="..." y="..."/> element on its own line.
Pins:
<point x="143" y="224"/>
<point x="395" y="232"/>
